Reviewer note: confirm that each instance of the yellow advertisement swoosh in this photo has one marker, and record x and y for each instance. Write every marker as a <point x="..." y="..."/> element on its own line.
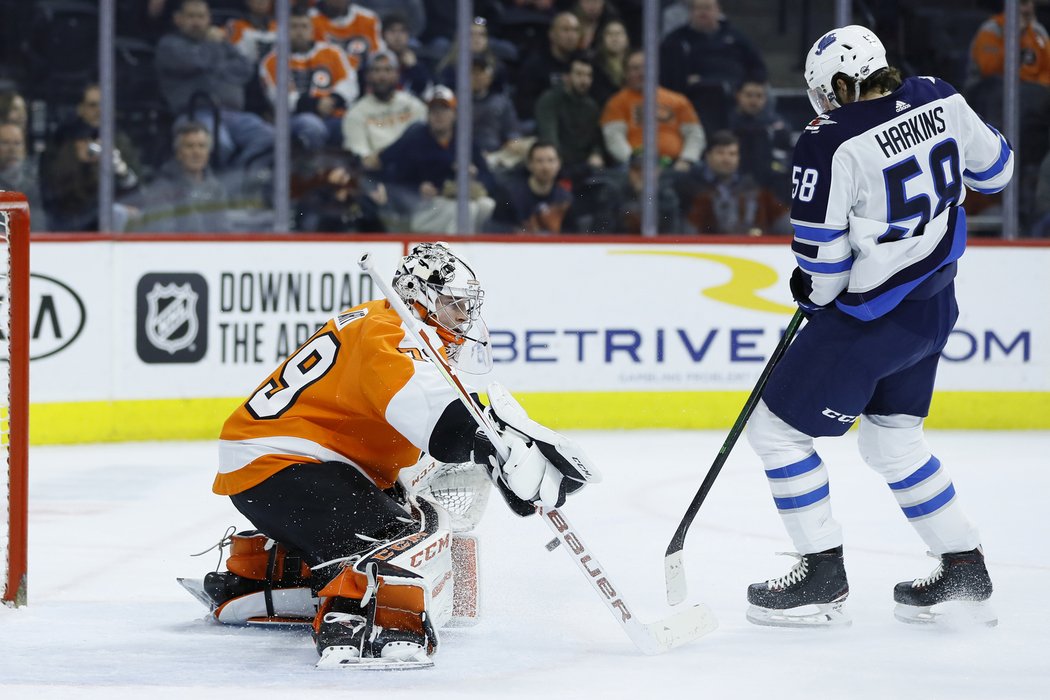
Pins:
<point x="747" y="278"/>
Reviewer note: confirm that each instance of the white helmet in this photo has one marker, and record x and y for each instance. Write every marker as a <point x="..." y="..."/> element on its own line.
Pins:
<point x="443" y="289"/>
<point x="854" y="51"/>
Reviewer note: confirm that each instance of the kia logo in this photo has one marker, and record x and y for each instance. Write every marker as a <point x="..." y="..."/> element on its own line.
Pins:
<point x="56" y="316"/>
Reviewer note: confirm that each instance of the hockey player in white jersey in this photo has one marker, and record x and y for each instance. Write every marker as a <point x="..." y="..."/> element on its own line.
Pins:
<point x="879" y="178"/>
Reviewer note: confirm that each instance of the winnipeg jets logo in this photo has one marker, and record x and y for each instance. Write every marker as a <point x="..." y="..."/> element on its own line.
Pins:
<point x="901" y="106"/>
<point x="825" y="43"/>
<point x="820" y="121"/>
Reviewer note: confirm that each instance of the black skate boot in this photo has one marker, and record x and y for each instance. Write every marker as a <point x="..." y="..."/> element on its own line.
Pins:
<point x="347" y="635"/>
<point x="810" y="595"/>
<point x="958" y="588"/>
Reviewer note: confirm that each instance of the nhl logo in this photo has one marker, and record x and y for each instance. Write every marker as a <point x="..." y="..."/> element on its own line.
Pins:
<point x="171" y="317"/>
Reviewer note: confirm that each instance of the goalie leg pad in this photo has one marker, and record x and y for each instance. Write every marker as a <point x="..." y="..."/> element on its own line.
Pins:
<point x="264" y="580"/>
<point x="406" y="584"/>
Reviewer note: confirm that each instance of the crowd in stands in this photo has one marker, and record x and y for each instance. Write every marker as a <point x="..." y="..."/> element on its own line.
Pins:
<point x="557" y="96"/>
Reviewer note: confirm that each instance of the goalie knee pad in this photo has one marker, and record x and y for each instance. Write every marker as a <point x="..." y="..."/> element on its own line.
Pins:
<point x="263" y="580"/>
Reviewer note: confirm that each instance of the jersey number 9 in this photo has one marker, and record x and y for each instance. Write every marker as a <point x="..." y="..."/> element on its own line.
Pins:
<point x="309" y="363"/>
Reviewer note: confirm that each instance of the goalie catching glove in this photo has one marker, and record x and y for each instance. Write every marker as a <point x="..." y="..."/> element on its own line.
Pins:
<point x="542" y="468"/>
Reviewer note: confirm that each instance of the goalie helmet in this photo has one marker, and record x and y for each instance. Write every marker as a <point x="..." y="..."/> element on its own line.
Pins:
<point x="854" y="51"/>
<point x="442" y="288"/>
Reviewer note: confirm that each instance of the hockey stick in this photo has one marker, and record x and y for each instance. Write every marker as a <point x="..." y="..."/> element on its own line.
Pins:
<point x="650" y="638"/>
<point x="674" y="568"/>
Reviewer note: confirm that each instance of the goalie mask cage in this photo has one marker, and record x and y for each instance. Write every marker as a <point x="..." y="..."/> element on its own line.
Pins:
<point x="14" y="397"/>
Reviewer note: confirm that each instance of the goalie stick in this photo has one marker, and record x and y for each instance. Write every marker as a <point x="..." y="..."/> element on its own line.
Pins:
<point x="651" y="638"/>
<point x="674" y="567"/>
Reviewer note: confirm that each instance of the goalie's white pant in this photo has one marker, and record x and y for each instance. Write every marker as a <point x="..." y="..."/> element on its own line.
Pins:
<point x="891" y="445"/>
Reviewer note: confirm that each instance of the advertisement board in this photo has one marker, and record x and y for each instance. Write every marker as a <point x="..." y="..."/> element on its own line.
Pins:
<point x="145" y="339"/>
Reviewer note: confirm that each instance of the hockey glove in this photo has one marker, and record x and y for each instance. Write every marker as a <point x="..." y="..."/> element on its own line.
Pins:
<point x="542" y="468"/>
<point x="527" y="479"/>
<point x="801" y="287"/>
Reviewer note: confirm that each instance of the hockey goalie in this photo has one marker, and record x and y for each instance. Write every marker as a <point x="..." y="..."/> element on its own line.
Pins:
<point x="356" y="533"/>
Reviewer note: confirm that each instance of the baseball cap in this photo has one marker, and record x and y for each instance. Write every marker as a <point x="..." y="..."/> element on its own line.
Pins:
<point x="440" y="93"/>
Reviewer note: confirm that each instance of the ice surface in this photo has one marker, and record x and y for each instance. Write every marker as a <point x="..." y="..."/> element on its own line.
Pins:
<point x="112" y="526"/>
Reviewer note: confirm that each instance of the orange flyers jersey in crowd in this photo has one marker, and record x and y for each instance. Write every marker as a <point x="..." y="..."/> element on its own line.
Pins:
<point x="672" y="111"/>
<point x="989" y="44"/>
<point x="359" y="32"/>
<point x="321" y="71"/>
<point x="249" y="39"/>
<point x="359" y="391"/>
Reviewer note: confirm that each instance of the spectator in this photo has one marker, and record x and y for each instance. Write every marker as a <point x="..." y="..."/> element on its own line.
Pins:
<point x="89" y="112"/>
<point x="419" y="172"/>
<point x="412" y="11"/>
<point x="988" y="45"/>
<point x="546" y="66"/>
<point x="186" y="196"/>
<point x="730" y="202"/>
<point x="350" y="26"/>
<point x="496" y="129"/>
<point x="986" y="95"/>
<point x="380" y="117"/>
<point x="330" y="193"/>
<point x="69" y="182"/>
<point x="567" y="117"/>
<point x="197" y="59"/>
<point x="705" y="59"/>
<point x="765" y="140"/>
<point x="253" y="34"/>
<point x="13" y="109"/>
<point x="679" y="135"/>
<point x="623" y="203"/>
<point x="480" y="46"/>
<point x="322" y="85"/>
<point x="593" y="15"/>
<point x="536" y="201"/>
<point x="415" y="75"/>
<point x="19" y="173"/>
<point x="610" y="56"/>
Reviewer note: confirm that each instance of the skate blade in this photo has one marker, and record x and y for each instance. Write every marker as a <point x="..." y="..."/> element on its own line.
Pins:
<point x="283" y="623"/>
<point x="347" y="657"/>
<point x="824" y="615"/>
<point x="195" y="587"/>
<point x="954" y="613"/>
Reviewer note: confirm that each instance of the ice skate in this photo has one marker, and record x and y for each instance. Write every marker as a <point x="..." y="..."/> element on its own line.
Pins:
<point x="347" y="637"/>
<point x="810" y="595"/>
<point x="956" y="592"/>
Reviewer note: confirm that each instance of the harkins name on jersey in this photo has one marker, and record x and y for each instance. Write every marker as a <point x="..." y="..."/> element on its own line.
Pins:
<point x="911" y="131"/>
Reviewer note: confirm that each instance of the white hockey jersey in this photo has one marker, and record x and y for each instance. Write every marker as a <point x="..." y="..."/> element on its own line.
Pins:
<point x="877" y="193"/>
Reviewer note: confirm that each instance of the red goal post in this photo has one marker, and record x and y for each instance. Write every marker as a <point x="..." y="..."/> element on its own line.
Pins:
<point x="14" y="396"/>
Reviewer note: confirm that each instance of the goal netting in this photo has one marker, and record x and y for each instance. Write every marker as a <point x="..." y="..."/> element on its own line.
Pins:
<point x="14" y="398"/>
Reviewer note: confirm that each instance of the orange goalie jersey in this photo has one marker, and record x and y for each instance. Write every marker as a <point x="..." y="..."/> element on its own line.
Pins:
<point x="359" y="391"/>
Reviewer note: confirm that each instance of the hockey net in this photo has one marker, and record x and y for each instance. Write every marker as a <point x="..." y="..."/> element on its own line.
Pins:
<point x="14" y="395"/>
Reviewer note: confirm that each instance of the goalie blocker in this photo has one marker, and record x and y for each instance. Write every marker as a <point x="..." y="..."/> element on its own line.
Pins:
<point x="543" y="466"/>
